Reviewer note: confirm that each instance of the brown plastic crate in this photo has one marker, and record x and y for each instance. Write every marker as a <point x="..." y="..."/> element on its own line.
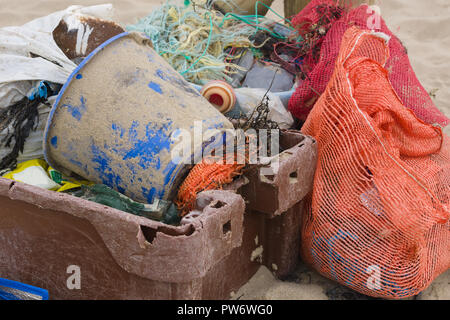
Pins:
<point x="122" y="256"/>
<point x="272" y="219"/>
<point x="275" y="203"/>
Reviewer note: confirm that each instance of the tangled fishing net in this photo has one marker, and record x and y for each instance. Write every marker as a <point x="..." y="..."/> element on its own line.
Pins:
<point x="194" y="41"/>
<point x="378" y="220"/>
<point x="322" y="24"/>
<point x="200" y="42"/>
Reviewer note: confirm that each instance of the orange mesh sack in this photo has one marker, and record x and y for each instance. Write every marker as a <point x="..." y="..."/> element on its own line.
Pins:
<point x="379" y="215"/>
<point x="207" y="175"/>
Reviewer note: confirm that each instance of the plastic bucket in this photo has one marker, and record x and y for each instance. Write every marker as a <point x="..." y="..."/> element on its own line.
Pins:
<point x="115" y="118"/>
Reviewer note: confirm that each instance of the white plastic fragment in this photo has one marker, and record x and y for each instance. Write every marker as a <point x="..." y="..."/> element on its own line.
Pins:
<point x="250" y="98"/>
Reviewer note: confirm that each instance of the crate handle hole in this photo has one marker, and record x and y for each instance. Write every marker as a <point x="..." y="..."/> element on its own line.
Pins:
<point x="226" y="227"/>
<point x="293" y="177"/>
<point x="218" y="204"/>
<point x="11" y="185"/>
<point x="149" y="233"/>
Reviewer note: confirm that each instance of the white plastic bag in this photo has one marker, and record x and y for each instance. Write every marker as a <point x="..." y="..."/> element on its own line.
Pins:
<point x="28" y="55"/>
<point x="33" y="172"/>
<point x="250" y="98"/>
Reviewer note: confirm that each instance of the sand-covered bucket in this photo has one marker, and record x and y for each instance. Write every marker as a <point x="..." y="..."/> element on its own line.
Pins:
<point x="115" y="120"/>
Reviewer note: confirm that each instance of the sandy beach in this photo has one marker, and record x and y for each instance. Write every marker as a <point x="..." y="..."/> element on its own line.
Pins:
<point x="423" y="28"/>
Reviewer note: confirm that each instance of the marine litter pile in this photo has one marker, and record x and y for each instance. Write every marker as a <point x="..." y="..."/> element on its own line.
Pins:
<point x="381" y="198"/>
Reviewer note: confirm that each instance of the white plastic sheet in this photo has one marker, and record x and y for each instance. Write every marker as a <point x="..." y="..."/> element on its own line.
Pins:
<point x="28" y="54"/>
<point x="249" y="98"/>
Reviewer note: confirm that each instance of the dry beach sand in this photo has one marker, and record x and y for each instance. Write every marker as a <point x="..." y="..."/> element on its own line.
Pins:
<point x="422" y="26"/>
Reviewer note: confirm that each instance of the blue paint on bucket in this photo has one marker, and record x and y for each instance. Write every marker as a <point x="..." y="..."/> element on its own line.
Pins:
<point x="77" y="163"/>
<point x="161" y="75"/>
<point x="118" y="129"/>
<point x="149" y="194"/>
<point x="147" y="149"/>
<point x="79" y="76"/>
<point x="54" y="141"/>
<point x="168" y="180"/>
<point x="173" y="77"/>
<point x="132" y="132"/>
<point x="156" y="87"/>
<point x="104" y="170"/>
<point x="77" y="111"/>
<point x="132" y="168"/>
<point x="168" y="171"/>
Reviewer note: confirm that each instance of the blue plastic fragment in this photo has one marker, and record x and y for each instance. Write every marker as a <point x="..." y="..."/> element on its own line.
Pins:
<point x="38" y="92"/>
<point x="13" y="290"/>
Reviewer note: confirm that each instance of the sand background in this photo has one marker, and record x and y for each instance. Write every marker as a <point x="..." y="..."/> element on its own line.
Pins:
<point x="423" y="26"/>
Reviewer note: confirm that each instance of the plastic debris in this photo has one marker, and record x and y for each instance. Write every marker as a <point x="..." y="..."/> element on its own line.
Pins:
<point x="35" y="55"/>
<point x="32" y="68"/>
<point x="22" y="126"/>
<point x="194" y="41"/>
<point x="220" y="94"/>
<point x="245" y="62"/>
<point x="38" y="173"/>
<point x="159" y="210"/>
<point x="33" y="172"/>
<point x="13" y="290"/>
<point x="262" y="75"/>
<point x="77" y="35"/>
<point x="284" y="31"/>
<point x="249" y="99"/>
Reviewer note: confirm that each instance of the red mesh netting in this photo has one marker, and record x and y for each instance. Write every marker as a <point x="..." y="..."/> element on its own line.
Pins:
<point x="319" y="67"/>
<point x="378" y="220"/>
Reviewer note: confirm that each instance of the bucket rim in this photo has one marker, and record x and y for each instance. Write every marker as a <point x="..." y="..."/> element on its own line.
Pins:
<point x="64" y="88"/>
